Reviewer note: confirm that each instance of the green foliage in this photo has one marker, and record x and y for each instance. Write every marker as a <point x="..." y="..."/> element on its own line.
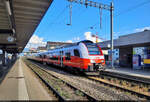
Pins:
<point x="79" y="93"/>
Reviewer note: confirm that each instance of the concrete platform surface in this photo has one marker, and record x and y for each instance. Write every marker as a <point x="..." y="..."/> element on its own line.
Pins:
<point x="21" y="84"/>
<point x="130" y="71"/>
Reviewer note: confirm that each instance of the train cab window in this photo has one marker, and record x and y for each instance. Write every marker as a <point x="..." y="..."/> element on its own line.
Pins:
<point x="93" y="49"/>
<point x="67" y="56"/>
<point x="76" y="53"/>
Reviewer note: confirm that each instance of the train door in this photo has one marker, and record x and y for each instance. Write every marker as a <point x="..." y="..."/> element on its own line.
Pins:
<point x="61" y="58"/>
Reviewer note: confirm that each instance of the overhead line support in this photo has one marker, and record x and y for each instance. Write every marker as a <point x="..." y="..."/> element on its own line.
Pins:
<point x="92" y="4"/>
<point x="111" y="33"/>
<point x="70" y="6"/>
<point x="101" y="6"/>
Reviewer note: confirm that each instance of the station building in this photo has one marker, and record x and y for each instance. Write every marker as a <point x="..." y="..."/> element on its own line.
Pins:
<point x="41" y="49"/>
<point x="133" y="49"/>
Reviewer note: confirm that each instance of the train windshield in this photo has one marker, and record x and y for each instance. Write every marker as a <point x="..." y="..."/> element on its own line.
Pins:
<point x="93" y="49"/>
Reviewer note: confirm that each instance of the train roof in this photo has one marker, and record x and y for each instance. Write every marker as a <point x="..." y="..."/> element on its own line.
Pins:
<point x="65" y="46"/>
<point x="73" y="44"/>
<point x="86" y="41"/>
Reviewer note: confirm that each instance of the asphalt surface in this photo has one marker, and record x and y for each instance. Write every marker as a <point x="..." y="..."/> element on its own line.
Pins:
<point x="20" y="83"/>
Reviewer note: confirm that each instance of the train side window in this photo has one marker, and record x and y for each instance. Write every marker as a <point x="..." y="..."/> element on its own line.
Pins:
<point x="40" y="56"/>
<point x="67" y="56"/>
<point x="44" y="56"/>
<point x="76" y="53"/>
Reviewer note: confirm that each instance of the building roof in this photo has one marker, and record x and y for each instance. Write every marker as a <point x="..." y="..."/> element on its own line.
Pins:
<point x="139" y="39"/>
<point x="50" y="42"/>
<point x="41" y="48"/>
<point x="20" y="18"/>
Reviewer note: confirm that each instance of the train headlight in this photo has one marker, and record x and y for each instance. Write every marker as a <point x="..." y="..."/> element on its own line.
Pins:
<point x="102" y="61"/>
<point x="92" y="61"/>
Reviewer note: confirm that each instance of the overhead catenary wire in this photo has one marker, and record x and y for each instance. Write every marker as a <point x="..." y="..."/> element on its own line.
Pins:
<point x="59" y="15"/>
<point x="91" y="27"/>
<point x="129" y="9"/>
<point x="133" y="8"/>
<point x="121" y="13"/>
<point x="63" y="11"/>
<point x="64" y="18"/>
<point x="70" y="7"/>
<point x="94" y="4"/>
<point x="50" y="23"/>
<point x="100" y="11"/>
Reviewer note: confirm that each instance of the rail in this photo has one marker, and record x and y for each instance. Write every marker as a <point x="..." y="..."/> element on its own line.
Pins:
<point x="55" y="91"/>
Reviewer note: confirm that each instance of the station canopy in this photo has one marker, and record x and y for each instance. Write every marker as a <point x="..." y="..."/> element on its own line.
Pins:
<point x="18" y="21"/>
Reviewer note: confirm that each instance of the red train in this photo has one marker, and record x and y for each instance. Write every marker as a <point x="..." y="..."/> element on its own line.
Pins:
<point x="84" y="56"/>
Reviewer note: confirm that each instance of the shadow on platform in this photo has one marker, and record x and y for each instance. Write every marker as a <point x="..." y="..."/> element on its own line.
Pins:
<point x="5" y="69"/>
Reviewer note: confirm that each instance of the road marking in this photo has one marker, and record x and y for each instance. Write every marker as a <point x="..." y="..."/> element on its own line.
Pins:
<point x="22" y="90"/>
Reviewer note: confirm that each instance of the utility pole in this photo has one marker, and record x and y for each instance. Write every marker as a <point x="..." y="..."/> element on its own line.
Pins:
<point x="111" y="32"/>
<point x="101" y="6"/>
<point x="70" y="6"/>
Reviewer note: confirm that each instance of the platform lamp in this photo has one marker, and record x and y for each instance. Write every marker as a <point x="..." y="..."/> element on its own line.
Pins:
<point x="11" y="38"/>
<point x="108" y="45"/>
<point x="8" y="7"/>
<point x="11" y="18"/>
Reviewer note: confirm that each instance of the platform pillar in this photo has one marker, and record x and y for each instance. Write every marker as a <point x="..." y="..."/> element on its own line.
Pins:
<point x="14" y="57"/>
<point x="3" y="58"/>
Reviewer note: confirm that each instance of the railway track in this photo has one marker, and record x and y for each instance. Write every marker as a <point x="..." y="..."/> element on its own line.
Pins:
<point x="121" y="88"/>
<point x="136" y="79"/>
<point x="63" y="90"/>
<point x="122" y="85"/>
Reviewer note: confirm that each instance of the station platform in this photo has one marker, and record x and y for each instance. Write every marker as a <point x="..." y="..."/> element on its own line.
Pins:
<point x="20" y="83"/>
<point x="145" y="73"/>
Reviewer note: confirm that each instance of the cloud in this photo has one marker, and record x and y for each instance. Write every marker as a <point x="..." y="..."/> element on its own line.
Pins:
<point x="88" y="36"/>
<point x="76" y="38"/>
<point x="35" y="41"/>
<point x="142" y="29"/>
<point x="116" y="35"/>
<point x="69" y="41"/>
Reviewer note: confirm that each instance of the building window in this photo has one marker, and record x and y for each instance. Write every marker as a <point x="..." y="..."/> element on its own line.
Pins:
<point x="76" y="53"/>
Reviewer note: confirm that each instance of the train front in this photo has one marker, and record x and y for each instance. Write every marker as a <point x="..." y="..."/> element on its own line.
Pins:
<point x="93" y="57"/>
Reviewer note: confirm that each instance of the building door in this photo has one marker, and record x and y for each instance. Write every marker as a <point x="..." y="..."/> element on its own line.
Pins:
<point x="125" y="56"/>
<point x="129" y="60"/>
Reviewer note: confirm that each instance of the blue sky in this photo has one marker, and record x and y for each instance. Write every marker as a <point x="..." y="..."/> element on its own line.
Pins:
<point x="129" y="16"/>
